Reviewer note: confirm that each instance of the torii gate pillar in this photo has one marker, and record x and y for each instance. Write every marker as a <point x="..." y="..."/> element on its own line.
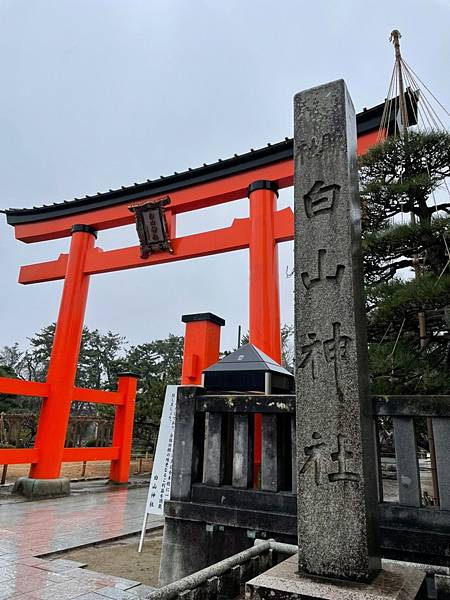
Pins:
<point x="55" y="412"/>
<point x="264" y="293"/>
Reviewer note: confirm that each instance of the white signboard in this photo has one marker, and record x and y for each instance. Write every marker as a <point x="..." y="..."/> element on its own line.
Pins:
<point x="161" y="478"/>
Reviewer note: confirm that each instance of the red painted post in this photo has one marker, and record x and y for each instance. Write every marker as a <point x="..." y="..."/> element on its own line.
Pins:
<point x="55" y="412"/>
<point x="123" y="428"/>
<point x="264" y="295"/>
<point x="201" y="345"/>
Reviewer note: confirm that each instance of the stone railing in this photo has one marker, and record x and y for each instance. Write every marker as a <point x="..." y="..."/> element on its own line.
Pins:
<point x="213" y="458"/>
<point x="214" y="441"/>
<point x="404" y="410"/>
<point x="410" y="527"/>
<point x="226" y="579"/>
<point x="214" y="497"/>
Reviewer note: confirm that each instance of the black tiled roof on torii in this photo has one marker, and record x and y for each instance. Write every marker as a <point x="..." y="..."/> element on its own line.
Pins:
<point x="368" y="120"/>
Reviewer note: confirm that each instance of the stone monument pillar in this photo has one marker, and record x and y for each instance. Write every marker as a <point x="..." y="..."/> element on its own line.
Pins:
<point x="338" y="551"/>
<point x="337" y="498"/>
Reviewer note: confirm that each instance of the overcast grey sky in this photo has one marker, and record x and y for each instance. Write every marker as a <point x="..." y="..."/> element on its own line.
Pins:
<point x="102" y="93"/>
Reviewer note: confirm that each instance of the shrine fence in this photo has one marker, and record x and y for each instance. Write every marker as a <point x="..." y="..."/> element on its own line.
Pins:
<point x="118" y="453"/>
<point x="213" y="479"/>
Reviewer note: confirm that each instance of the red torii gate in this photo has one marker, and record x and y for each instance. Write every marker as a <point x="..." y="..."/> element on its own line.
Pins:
<point x="258" y="174"/>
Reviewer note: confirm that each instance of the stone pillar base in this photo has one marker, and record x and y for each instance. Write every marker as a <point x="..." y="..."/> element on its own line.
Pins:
<point x="41" y="488"/>
<point x="283" y="582"/>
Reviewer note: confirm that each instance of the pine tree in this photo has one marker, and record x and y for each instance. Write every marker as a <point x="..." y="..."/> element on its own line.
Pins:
<point x="407" y="262"/>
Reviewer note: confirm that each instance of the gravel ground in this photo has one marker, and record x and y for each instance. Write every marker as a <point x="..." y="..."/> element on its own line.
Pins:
<point x="121" y="558"/>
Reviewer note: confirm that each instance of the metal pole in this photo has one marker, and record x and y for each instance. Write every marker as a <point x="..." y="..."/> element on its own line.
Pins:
<point x="144" y="527"/>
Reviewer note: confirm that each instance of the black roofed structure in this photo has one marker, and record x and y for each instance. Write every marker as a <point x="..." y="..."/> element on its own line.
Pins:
<point x="248" y="369"/>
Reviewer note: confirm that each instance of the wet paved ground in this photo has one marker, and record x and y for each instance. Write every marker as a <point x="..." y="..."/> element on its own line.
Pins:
<point x="32" y="529"/>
